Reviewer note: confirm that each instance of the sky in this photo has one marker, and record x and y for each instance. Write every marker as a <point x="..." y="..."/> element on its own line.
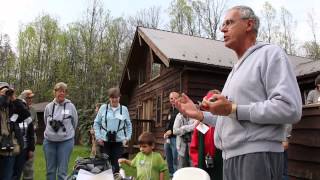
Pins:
<point x="16" y="13"/>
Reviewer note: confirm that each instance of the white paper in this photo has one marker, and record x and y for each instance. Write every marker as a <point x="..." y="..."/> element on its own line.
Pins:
<point x="203" y="128"/>
<point x="14" y="117"/>
<point x="67" y="111"/>
<point x="86" y="175"/>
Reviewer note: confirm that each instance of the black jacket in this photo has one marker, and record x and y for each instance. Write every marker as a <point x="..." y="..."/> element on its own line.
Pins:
<point x="171" y="117"/>
<point x="19" y="107"/>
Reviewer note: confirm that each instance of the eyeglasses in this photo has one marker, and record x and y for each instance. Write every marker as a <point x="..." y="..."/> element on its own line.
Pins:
<point x="229" y="22"/>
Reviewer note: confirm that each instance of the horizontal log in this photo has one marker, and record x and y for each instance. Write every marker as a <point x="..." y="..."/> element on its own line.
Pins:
<point x="308" y="122"/>
<point x="303" y="170"/>
<point x="304" y="153"/>
<point x="306" y="137"/>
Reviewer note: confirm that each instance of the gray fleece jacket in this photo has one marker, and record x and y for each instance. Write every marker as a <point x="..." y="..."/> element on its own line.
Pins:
<point x="263" y="85"/>
<point x="65" y="113"/>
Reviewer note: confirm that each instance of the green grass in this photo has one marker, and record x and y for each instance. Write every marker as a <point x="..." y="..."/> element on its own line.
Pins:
<point x="40" y="164"/>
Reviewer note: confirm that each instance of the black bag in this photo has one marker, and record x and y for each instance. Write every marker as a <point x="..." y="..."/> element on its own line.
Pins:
<point x="95" y="165"/>
<point x="111" y="136"/>
<point x="9" y="143"/>
<point x="187" y="137"/>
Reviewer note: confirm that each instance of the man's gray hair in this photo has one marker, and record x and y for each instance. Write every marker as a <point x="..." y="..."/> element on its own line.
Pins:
<point x="247" y="13"/>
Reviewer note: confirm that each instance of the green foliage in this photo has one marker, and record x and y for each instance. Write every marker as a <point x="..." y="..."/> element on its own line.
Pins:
<point x="88" y="55"/>
<point x="182" y="17"/>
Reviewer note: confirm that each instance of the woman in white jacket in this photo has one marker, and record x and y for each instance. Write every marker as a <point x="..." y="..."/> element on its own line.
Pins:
<point x="182" y="128"/>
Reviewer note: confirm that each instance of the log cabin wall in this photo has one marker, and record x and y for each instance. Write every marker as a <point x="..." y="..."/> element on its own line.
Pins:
<point x="304" y="148"/>
<point x="198" y="82"/>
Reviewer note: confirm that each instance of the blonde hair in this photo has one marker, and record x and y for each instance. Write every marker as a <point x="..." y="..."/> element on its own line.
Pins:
<point x="60" y="85"/>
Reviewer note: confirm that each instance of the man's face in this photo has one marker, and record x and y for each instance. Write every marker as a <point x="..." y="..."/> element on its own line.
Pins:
<point x="234" y="29"/>
<point x="173" y="97"/>
<point x="29" y="100"/>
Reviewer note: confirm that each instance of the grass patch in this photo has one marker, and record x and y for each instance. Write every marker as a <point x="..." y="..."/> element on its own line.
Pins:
<point x="40" y="164"/>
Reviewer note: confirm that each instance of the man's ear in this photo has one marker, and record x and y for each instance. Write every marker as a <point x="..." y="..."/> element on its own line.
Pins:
<point x="250" y="25"/>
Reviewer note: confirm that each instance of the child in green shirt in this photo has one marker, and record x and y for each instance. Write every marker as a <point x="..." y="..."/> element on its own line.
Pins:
<point x="149" y="165"/>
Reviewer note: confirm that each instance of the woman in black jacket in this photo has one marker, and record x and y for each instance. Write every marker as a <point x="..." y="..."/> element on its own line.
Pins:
<point x="25" y="130"/>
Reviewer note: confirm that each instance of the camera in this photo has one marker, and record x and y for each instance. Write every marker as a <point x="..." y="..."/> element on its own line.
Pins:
<point x="6" y="143"/>
<point x="9" y="92"/>
<point x="111" y="136"/>
<point x="56" y="125"/>
<point x="187" y="137"/>
<point x="209" y="161"/>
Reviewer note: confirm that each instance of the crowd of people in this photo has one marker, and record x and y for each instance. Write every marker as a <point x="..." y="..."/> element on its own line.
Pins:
<point x="247" y="125"/>
<point x="17" y="138"/>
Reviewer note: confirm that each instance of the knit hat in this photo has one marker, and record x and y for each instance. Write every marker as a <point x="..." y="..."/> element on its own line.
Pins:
<point x="4" y="85"/>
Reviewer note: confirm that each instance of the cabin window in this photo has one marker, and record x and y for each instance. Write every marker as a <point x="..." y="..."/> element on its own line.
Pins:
<point x="155" y="66"/>
<point x="147" y="113"/>
<point x="147" y="109"/>
<point x="155" y="70"/>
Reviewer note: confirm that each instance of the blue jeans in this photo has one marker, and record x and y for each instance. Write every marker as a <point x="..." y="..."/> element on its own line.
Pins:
<point x="171" y="155"/>
<point x="57" y="155"/>
<point x="6" y="167"/>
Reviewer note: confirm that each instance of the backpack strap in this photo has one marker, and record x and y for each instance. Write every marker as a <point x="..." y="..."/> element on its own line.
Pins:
<point x="118" y="129"/>
<point x="53" y="107"/>
<point x="105" y="118"/>
<point x="124" y="124"/>
<point x="64" y="110"/>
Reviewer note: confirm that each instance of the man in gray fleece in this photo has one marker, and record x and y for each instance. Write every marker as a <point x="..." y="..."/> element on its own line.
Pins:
<point x="260" y="96"/>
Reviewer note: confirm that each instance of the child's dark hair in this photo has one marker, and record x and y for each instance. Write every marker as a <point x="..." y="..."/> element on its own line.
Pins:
<point x="215" y="91"/>
<point x="146" y="138"/>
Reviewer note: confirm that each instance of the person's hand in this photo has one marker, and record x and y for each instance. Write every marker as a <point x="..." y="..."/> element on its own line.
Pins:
<point x="30" y="154"/>
<point x="121" y="160"/>
<point x="167" y="134"/>
<point x="92" y="131"/>
<point x="125" y="142"/>
<point x="285" y="145"/>
<point x="186" y="106"/>
<point x="196" y="123"/>
<point x="124" y="161"/>
<point x="221" y="106"/>
<point x="100" y="142"/>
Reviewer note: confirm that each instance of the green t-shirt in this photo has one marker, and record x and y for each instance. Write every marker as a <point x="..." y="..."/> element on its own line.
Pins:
<point x="149" y="166"/>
